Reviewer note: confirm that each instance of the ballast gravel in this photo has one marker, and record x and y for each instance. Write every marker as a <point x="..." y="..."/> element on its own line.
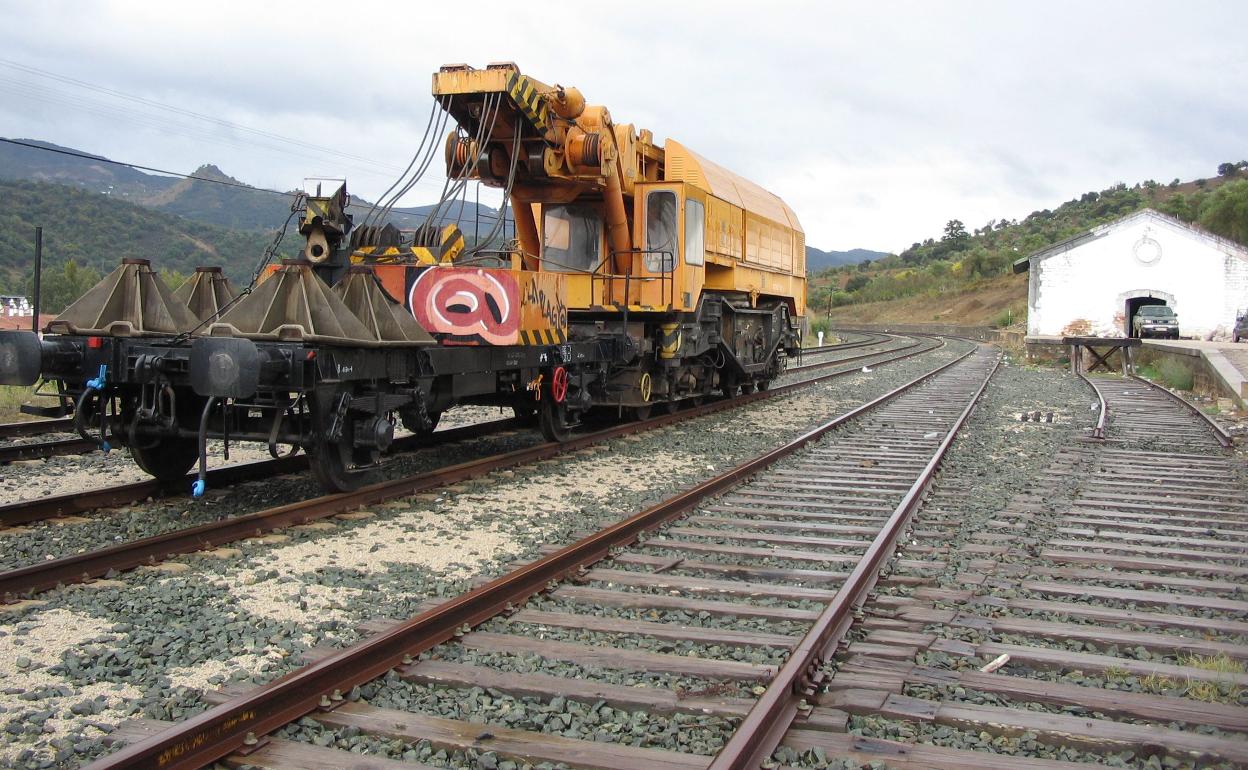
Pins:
<point x="997" y="457"/>
<point x="243" y="614"/>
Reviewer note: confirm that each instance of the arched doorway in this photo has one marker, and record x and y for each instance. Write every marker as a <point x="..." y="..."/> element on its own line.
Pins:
<point x="1132" y="301"/>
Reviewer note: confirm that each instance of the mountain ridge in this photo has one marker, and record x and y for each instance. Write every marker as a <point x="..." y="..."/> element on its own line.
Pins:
<point x="243" y="207"/>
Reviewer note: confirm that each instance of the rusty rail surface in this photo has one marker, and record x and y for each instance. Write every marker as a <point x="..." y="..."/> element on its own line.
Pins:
<point x="226" y="728"/>
<point x="1102" y="420"/>
<point x="36" y="427"/>
<point x="42" y="449"/>
<point x="42" y="576"/>
<point x="26" y="511"/>
<point x="1219" y="433"/>
<point x="763" y="728"/>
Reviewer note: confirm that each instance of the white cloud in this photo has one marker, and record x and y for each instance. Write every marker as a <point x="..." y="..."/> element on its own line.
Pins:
<point x="876" y="122"/>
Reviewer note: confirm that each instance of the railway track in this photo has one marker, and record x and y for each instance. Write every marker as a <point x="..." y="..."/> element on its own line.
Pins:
<point x="36" y="427"/>
<point x="38" y="450"/>
<point x="1143" y="411"/>
<point x="1101" y="620"/>
<point x="23" y="512"/>
<point x="43" y="449"/>
<point x="40" y="576"/>
<point x="719" y="599"/>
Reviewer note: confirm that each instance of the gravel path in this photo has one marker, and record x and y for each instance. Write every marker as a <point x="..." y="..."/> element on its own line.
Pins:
<point x="239" y="613"/>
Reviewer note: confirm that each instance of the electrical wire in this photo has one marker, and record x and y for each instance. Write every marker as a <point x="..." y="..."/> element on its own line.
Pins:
<point x="267" y="256"/>
<point x="511" y="179"/>
<point x="428" y="126"/>
<point x="221" y="122"/>
<point x="485" y="133"/>
<point x="239" y="185"/>
<point x="420" y="171"/>
<point x="97" y="159"/>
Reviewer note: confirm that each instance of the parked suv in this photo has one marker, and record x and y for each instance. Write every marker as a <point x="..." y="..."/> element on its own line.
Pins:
<point x="1155" y="321"/>
<point x="1241" y="329"/>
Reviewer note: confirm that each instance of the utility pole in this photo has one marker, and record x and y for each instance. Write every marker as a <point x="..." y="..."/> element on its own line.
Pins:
<point x="34" y="321"/>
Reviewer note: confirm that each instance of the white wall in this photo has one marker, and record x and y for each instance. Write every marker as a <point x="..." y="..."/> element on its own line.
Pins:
<point x="1083" y="289"/>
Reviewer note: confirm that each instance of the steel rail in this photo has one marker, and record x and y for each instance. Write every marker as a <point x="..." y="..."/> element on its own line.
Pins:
<point x="1102" y="422"/>
<point x="223" y="729"/>
<point x="1219" y="433"/>
<point x="36" y="427"/>
<point x="24" y="512"/>
<point x="914" y="342"/>
<point x="763" y="728"/>
<point x="42" y="449"/>
<point x="42" y="576"/>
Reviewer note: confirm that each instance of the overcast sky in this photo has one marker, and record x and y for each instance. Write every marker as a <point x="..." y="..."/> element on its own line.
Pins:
<point x="876" y="121"/>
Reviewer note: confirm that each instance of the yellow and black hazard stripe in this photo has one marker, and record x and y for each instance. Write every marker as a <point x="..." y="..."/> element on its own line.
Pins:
<point x="529" y="101"/>
<point x="543" y="337"/>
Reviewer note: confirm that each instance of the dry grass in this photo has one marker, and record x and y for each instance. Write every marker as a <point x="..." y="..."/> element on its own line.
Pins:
<point x="1216" y="690"/>
<point x="984" y="304"/>
<point x="12" y="397"/>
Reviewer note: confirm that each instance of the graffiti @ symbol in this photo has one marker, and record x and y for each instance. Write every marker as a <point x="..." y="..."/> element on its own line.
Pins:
<point x="466" y="304"/>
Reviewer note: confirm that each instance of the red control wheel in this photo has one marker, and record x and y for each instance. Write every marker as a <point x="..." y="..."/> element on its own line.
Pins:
<point x="559" y="385"/>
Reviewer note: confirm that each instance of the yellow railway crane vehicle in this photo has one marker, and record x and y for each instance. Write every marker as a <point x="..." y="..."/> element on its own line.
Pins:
<point x="703" y="270"/>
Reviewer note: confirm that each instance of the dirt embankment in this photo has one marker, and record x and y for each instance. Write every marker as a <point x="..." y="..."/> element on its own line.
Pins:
<point x="996" y="301"/>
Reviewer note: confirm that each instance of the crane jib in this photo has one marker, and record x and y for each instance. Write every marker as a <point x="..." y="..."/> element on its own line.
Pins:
<point x="529" y="100"/>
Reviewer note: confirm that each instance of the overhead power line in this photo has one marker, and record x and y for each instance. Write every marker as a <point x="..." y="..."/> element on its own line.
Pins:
<point x="240" y="185"/>
<point x="202" y="127"/>
<point x="98" y="159"/>
<point x="190" y="113"/>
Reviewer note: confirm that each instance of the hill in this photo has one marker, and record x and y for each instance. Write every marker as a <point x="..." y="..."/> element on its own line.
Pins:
<point x="238" y="207"/>
<point x="965" y="262"/>
<point x="234" y="205"/>
<point x="19" y="163"/>
<point x="818" y="260"/>
<point x="97" y="231"/>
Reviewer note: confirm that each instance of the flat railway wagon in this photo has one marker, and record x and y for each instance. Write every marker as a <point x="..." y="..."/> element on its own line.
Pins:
<point x="640" y="276"/>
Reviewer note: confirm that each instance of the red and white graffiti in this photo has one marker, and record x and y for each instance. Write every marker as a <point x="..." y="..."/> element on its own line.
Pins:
<point x="469" y="305"/>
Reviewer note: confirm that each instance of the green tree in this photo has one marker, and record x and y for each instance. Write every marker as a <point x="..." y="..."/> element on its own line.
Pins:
<point x="1225" y="211"/>
<point x="857" y="282"/>
<point x="955" y="230"/>
<point x="61" y="287"/>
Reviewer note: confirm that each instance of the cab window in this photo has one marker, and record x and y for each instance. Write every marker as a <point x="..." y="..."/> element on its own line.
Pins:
<point x="695" y="232"/>
<point x="571" y="238"/>
<point x="660" y="231"/>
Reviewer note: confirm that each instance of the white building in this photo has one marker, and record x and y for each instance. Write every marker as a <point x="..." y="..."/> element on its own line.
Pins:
<point x="1093" y="283"/>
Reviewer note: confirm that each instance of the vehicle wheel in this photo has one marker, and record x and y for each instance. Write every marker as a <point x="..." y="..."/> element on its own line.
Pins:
<point x="669" y="407"/>
<point x="337" y="465"/>
<point x="552" y="418"/>
<point x="638" y="413"/>
<point x="764" y="384"/>
<point x="747" y="388"/>
<point x="168" y="459"/>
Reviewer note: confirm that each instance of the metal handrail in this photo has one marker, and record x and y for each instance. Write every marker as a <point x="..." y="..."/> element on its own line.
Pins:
<point x="667" y="278"/>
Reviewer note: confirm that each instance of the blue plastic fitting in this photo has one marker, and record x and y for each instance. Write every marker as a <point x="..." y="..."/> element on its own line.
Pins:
<point x="98" y="382"/>
<point x="198" y="487"/>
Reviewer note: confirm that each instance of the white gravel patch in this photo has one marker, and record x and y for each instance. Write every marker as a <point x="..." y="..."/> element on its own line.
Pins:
<point x="196" y="677"/>
<point x="51" y="634"/>
<point x="438" y="533"/>
<point x="36" y="479"/>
